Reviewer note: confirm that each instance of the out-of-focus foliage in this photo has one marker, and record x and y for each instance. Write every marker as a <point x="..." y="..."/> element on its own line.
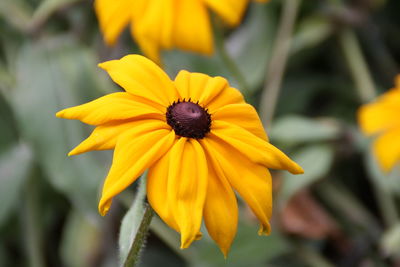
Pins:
<point x="49" y="50"/>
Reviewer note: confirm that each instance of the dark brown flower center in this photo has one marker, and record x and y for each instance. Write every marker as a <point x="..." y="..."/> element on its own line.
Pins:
<point x="188" y="119"/>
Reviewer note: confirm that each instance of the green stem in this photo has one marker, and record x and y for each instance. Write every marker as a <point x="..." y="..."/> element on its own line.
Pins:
<point x="229" y="63"/>
<point x="386" y="203"/>
<point x="141" y="234"/>
<point x="311" y="258"/>
<point x="357" y="65"/>
<point x="135" y="226"/>
<point x="366" y="91"/>
<point x="277" y="64"/>
<point x="31" y="223"/>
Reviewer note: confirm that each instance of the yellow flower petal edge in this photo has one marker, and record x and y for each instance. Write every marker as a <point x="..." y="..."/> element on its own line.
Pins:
<point x="197" y="137"/>
<point x="380" y="119"/>
<point x="166" y="24"/>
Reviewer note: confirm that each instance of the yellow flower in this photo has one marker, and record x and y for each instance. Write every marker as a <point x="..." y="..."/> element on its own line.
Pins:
<point x="165" y="24"/>
<point x="381" y="118"/>
<point x="197" y="137"/>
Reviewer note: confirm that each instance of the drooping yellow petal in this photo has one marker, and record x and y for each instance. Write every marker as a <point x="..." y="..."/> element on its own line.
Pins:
<point x="252" y="147"/>
<point x="192" y="28"/>
<point x="242" y="115"/>
<point x="113" y="17"/>
<point x="387" y="149"/>
<point x="199" y="87"/>
<point x="187" y="186"/>
<point x="106" y="135"/>
<point x="115" y="106"/>
<point x="231" y="11"/>
<point x="220" y="209"/>
<point x="252" y="181"/>
<point x="157" y="193"/>
<point x="142" y="77"/>
<point x="134" y="153"/>
<point x="153" y="28"/>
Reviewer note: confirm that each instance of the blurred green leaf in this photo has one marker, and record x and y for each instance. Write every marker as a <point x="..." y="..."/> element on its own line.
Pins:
<point x="46" y="9"/>
<point x="15" y="166"/>
<point x="316" y="161"/>
<point x="248" y="249"/>
<point x="390" y="241"/>
<point x="250" y="45"/>
<point x="16" y="12"/>
<point x="296" y="129"/>
<point x="311" y="31"/>
<point x="53" y="74"/>
<point x="80" y="241"/>
<point x="387" y="181"/>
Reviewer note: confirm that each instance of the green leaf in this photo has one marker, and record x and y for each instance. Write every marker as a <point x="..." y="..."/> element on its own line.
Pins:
<point x="390" y="241"/>
<point x="250" y="45"/>
<point x="51" y="75"/>
<point x="46" y="9"/>
<point x="311" y="32"/>
<point x="248" y="249"/>
<point x="15" y="166"/>
<point x="81" y="239"/>
<point x="16" y="12"/>
<point x="316" y="161"/>
<point x="390" y="181"/>
<point x="296" y="129"/>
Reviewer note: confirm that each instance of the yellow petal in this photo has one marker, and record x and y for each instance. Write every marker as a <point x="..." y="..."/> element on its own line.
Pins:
<point x="199" y="87"/>
<point x="113" y="17"/>
<point x="106" y="135"/>
<point x="134" y="153"/>
<point x="142" y="77"/>
<point x="187" y="185"/>
<point x="387" y="149"/>
<point x="242" y="115"/>
<point x="253" y="148"/>
<point x="157" y="181"/>
<point x="220" y="208"/>
<point x="153" y="28"/>
<point x="192" y="29"/>
<point x="227" y="96"/>
<point x="231" y="11"/>
<point x="116" y="106"/>
<point x="377" y="117"/>
<point x="252" y="181"/>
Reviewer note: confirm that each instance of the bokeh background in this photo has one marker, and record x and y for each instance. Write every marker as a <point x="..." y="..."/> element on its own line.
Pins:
<point x="342" y="212"/>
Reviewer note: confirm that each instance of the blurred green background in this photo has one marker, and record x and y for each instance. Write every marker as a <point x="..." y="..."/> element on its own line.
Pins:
<point x="342" y="212"/>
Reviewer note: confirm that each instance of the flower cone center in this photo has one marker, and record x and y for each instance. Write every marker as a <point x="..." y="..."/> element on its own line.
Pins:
<point x="188" y="119"/>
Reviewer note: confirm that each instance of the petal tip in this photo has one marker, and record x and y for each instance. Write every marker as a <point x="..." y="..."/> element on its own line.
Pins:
<point x="297" y="169"/>
<point x="264" y="230"/>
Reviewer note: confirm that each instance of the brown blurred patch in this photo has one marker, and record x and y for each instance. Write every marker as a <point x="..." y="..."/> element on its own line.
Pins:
<point x="303" y="216"/>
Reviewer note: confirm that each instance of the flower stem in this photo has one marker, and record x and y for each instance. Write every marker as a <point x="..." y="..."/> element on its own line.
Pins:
<point x="366" y="91"/>
<point x="141" y="234"/>
<point x="357" y="65"/>
<point x="135" y="226"/>
<point x="31" y="222"/>
<point x="229" y="63"/>
<point x="277" y="64"/>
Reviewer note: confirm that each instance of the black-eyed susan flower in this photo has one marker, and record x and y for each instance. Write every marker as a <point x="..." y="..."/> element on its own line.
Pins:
<point x="199" y="140"/>
<point x="381" y="118"/>
<point x="166" y="24"/>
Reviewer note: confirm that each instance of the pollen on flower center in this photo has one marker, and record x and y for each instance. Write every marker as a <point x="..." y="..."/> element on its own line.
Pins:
<point x="188" y="119"/>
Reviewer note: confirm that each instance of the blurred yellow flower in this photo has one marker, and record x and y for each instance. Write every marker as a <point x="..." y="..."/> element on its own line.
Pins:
<point x="197" y="137"/>
<point x="381" y="118"/>
<point x="165" y="24"/>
